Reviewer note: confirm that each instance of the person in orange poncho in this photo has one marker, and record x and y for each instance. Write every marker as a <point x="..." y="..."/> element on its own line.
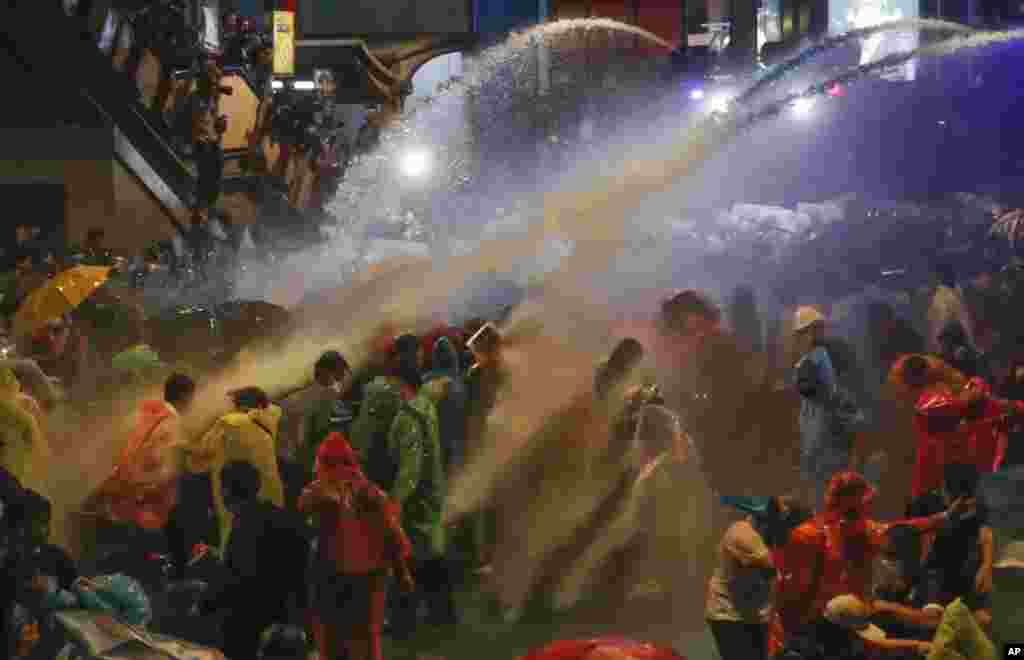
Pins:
<point x="361" y="542"/>
<point x="833" y="554"/>
<point x="143" y="490"/>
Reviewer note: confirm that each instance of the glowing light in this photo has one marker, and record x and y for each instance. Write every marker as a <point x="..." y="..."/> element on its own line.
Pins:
<point x="305" y="85"/>
<point x="837" y="90"/>
<point x="802" y="107"/>
<point x="697" y="95"/>
<point x="720" y="103"/>
<point x="415" y="164"/>
<point x="277" y="84"/>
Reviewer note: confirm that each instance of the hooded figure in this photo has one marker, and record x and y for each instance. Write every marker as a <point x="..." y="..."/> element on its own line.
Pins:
<point x="452" y="409"/>
<point x="361" y="542"/>
<point x="420" y="490"/>
<point x="419" y="487"/>
<point x="371" y="430"/>
<point x="24" y="451"/>
<point x="406" y="351"/>
<point x="249" y="434"/>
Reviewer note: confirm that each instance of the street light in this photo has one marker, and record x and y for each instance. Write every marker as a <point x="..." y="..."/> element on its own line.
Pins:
<point x="416" y="163"/>
<point x="802" y="107"/>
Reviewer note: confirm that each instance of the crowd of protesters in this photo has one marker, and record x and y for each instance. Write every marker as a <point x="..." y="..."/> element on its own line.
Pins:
<point x="321" y="520"/>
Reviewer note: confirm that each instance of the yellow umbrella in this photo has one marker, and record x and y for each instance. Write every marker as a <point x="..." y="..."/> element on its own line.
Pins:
<point x="60" y="295"/>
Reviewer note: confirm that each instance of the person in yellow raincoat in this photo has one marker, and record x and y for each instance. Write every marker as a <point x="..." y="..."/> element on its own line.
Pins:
<point x="249" y="434"/>
<point x="24" y="451"/>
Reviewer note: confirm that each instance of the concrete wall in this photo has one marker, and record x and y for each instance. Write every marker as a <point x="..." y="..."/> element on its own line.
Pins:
<point x="78" y="158"/>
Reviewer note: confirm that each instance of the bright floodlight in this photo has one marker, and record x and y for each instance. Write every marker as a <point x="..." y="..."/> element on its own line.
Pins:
<point x="720" y="103"/>
<point x="802" y="107"/>
<point x="305" y="85"/>
<point x="696" y="94"/>
<point x="416" y="163"/>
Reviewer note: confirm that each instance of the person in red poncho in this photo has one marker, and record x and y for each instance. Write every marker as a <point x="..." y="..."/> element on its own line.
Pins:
<point x="956" y="421"/>
<point x="361" y="542"/>
<point x="833" y="554"/>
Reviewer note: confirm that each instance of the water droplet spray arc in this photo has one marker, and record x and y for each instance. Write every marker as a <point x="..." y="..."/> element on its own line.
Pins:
<point x="408" y="295"/>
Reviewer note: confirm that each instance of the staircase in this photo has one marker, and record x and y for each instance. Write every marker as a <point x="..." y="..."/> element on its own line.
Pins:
<point x="40" y="39"/>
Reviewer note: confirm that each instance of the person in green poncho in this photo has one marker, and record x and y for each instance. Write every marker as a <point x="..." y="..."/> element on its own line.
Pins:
<point x="419" y="488"/>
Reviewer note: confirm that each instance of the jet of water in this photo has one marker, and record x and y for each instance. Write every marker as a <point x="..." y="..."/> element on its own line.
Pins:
<point x="804" y="56"/>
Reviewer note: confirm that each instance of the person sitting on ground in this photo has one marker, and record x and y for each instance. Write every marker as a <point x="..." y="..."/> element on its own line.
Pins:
<point x="265" y="563"/>
<point x="834" y="553"/>
<point x="962" y="552"/>
<point x="906" y="604"/>
<point x="247" y="434"/>
<point x="851" y="614"/>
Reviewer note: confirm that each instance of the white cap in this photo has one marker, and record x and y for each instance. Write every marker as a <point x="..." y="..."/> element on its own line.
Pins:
<point x="807" y="316"/>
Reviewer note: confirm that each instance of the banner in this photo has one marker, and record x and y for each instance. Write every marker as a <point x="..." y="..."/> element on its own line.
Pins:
<point x="284" y="43"/>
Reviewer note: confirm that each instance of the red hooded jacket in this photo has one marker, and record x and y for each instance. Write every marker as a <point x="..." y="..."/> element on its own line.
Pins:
<point x="362" y="532"/>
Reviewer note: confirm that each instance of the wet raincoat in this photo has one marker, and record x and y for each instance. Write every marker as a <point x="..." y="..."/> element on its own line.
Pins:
<point x="827" y="420"/>
<point x="249" y="436"/>
<point x="456" y="340"/>
<point x="414" y="444"/>
<point x="987" y="428"/>
<point x="363" y="533"/>
<point x="829" y="556"/>
<point x="144" y="486"/>
<point x="451" y="411"/>
<point x="361" y="538"/>
<point x="24" y="451"/>
<point x="370" y="432"/>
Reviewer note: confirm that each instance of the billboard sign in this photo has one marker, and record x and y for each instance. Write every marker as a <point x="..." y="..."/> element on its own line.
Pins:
<point x="284" y="43"/>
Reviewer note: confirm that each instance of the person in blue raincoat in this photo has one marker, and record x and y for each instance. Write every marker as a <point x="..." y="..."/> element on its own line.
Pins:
<point x="828" y="417"/>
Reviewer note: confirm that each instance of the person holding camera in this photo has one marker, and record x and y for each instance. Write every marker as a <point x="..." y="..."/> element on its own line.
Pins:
<point x="208" y="128"/>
